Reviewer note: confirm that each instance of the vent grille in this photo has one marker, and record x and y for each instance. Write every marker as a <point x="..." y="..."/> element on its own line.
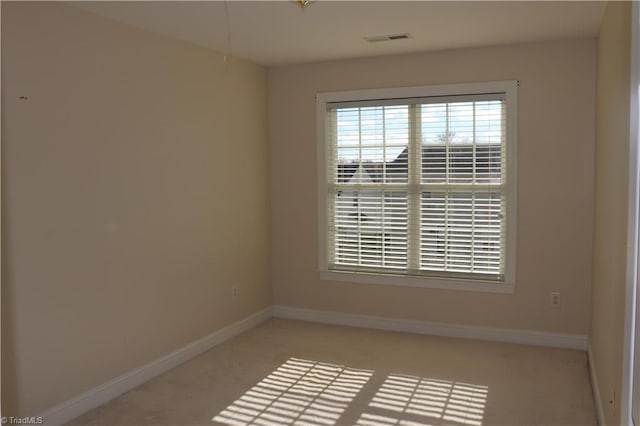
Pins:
<point x="388" y="37"/>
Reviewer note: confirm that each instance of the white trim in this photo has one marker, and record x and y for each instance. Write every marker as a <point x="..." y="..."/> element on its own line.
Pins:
<point x="415" y="91"/>
<point x="630" y="318"/>
<point x="410" y="281"/>
<point x="512" y="183"/>
<point x="99" y="395"/>
<point x="510" y="90"/>
<point x="321" y="110"/>
<point x="525" y="337"/>
<point x="595" y="387"/>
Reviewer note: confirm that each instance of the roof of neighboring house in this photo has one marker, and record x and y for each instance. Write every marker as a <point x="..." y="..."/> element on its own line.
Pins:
<point x="487" y="157"/>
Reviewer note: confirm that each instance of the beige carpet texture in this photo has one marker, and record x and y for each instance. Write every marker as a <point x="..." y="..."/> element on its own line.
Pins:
<point x="297" y="373"/>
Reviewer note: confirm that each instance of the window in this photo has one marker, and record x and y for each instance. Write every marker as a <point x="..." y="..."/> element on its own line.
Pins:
<point x="417" y="186"/>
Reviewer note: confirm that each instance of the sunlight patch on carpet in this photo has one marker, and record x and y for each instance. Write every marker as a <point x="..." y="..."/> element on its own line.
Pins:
<point x="417" y="401"/>
<point x="299" y="392"/>
<point x="303" y="392"/>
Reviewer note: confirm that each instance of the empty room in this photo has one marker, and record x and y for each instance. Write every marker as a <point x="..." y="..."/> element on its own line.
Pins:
<point x="320" y="213"/>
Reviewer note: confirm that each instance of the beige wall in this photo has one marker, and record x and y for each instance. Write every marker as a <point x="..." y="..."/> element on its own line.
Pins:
<point x="555" y="187"/>
<point x="134" y="196"/>
<point x="610" y="224"/>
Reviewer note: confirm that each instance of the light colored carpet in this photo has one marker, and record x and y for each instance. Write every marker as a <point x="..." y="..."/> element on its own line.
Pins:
<point x="291" y="372"/>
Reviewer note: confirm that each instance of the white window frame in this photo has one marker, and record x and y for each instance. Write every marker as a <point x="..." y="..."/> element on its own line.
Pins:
<point x="509" y="88"/>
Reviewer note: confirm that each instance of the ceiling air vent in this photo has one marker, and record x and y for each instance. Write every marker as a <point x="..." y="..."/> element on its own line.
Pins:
<point x="388" y="37"/>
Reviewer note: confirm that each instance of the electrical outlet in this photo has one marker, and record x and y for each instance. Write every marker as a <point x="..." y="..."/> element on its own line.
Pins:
<point x="555" y="299"/>
<point x="235" y="292"/>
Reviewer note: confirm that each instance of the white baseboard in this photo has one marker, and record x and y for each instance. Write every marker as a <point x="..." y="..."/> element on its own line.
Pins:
<point x="596" y="389"/>
<point x="97" y="396"/>
<point x="102" y="394"/>
<point x="525" y="337"/>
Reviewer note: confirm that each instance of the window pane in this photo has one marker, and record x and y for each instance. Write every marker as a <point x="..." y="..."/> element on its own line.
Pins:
<point x="489" y="167"/>
<point x="461" y="231"/>
<point x="371" y="229"/>
<point x="461" y="164"/>
<point x="462" y="142"/>
<point x="434" y="163"/>
<point x="489" y="122"/>
<point x="375" y="138"/>
<point x="434" y="123"/>
<point x="460" y="122"/>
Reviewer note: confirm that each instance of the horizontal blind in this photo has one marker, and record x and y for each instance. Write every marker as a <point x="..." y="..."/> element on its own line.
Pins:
<point x="377" y="188"/>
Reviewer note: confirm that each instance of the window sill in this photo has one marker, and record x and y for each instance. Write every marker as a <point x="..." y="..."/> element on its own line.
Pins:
<point x="423" y="282"/>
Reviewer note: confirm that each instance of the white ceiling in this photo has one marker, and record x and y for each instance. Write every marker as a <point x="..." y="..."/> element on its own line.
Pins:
<point x="280" y="32"/>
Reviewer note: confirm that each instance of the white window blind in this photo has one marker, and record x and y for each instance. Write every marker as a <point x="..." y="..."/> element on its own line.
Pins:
<point x="417" y="186"/>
